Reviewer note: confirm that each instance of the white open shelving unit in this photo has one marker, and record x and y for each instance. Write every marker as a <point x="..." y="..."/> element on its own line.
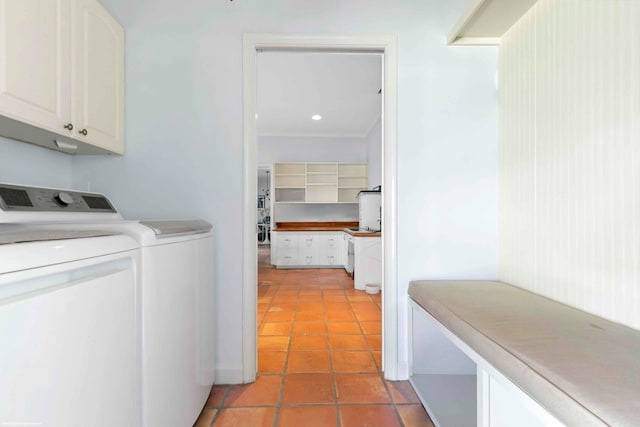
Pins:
<point x="290" y="182"/>
<point x="320" y="182"/>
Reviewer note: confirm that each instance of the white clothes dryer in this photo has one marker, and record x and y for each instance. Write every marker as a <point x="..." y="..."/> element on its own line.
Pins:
<point x="178" y="328"/>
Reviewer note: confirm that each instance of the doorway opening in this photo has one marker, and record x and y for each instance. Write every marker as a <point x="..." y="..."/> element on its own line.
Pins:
<point x="384" y="47"/>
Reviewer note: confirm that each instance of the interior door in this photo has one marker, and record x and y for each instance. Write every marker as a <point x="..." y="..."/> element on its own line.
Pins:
<point x="34" y="62"/>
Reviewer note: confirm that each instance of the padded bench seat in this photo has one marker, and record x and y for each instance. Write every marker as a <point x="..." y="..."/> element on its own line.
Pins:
<point x="584" y="369"/>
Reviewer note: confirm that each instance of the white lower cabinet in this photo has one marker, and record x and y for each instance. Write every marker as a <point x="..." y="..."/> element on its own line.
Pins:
<point x="308" y="258"/>
<point x="286" y="240"/>
<point x="331" y="249"/>
<point x="321" y="249"/>
<point x="308" y="241"/>
<point x="287" y="257"/>
<point x="345" y="251"/>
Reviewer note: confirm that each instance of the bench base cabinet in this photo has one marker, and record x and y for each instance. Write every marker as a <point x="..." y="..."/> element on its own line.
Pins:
<point x="460" y="388"/>
<point x="294" y="249"/>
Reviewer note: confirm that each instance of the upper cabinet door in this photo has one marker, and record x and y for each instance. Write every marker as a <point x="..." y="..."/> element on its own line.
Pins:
<point x="34" y="62"/>
<point x="98" y="75"/>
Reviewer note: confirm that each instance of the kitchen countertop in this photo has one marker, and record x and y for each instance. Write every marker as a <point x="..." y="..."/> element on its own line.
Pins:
<point x="325" y="226"/>
<point x="314" y="226"/>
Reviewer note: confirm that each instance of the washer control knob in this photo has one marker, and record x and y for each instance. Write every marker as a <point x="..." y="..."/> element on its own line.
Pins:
<point x="64" y="199"/>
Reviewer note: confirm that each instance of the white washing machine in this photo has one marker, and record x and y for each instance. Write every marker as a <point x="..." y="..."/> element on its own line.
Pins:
<point x="69" y="317"/>
<point x="177" y="318"/>
<point x="177" y="310"/>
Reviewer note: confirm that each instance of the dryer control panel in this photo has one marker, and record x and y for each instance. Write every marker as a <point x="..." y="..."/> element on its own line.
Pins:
<point x="23" y="198"/>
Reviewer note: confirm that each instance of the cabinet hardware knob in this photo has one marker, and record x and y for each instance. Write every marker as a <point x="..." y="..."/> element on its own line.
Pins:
<point x="83" y="132"/>
<point x="69" y="126"/>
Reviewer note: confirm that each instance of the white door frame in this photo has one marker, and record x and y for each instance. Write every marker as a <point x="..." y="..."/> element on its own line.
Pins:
<point x="386" y="44"/>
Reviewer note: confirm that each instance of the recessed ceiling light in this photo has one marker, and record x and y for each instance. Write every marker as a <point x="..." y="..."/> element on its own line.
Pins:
<point x="316" y="117"/>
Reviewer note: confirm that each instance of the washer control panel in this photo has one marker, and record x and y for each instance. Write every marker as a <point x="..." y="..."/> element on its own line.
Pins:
<point x="22" y="198"/>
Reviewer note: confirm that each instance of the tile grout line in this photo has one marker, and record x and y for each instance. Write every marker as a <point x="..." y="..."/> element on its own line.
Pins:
<point x="334" y="383"/>
<point x="219" y="408"/>
<point x="276" y="415"/>
<point x="293" y="280"/>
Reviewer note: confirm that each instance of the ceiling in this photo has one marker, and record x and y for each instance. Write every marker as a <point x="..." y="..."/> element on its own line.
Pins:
<point x="340" y="87"/>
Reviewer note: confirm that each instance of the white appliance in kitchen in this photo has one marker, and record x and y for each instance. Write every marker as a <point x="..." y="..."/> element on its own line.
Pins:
<point x="370" y="209"/>
<point x="364" y="259"/>
<point x="69" y="314"/>
<point x="177" y="307"/>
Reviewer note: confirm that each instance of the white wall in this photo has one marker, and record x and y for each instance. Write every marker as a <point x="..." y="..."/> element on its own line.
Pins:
<point x="184" y="133"/>
<point x="570" y="155"/>
<point x="273" y="149"/>
<point x="26" y="164"/>
<point x="316" y="213"/>
<point x="374" y="154"/>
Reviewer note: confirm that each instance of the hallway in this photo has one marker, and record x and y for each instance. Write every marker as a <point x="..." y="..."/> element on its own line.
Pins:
<point x="320" y="359"/>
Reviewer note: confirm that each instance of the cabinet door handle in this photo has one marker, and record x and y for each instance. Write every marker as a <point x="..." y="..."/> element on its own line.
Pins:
<point x="69" y="126"/>
<point x="308" y="259"/>
<point x="83" y="132"/>
<point x="331" y="259"/>
<point x="331" y="242"/>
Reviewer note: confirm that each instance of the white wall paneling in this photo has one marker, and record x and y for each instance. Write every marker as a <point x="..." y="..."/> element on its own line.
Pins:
<point x="569" y="155"/>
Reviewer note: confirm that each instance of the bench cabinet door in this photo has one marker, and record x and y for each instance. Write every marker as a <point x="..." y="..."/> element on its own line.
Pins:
<point x="503" y="404"/>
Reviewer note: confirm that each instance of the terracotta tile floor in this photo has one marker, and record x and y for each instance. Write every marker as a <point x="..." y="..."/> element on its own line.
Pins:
<point x="319" y="359"/>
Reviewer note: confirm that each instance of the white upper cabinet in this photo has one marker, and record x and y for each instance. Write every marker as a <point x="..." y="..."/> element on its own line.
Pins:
<point x="98" y="68"/>
<point x="35" y="66"/>
<point x="62" y="75"/>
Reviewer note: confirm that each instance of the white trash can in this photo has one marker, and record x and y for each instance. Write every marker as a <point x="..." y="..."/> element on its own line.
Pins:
<point x="372" y="288"/>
